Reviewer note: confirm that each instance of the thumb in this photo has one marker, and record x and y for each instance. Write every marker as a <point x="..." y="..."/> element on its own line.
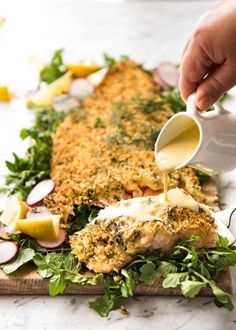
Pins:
<point x="215" y="84"/>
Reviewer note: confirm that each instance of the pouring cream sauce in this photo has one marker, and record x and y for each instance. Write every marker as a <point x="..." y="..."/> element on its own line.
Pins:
<point x="176" y="152"/>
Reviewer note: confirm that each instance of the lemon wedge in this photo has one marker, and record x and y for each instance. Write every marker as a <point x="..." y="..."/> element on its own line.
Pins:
<point x="82" y="69"/>
<point x="15" y="209"/>
<point x="45" y="228"/>
<point x="2" y="20"/>
<point x="97" y="77"/>
<point x="45" y="96"/>
<point x="5" y="94"/>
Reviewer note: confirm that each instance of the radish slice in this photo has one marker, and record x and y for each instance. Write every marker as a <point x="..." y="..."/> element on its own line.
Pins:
<point x="64" y="102"/>
<point x="159" y="81"/>
<point x="3" y="232"/>
<point x="8" y="251"/>
<point x="38" y="212"/>
<point x="9" y="231"/>
<point x="97" y="77"/>
<point x="54" y="244"/>
<point x="41" y="190"/>
<point x="168" y="74"/>
<point x="81" y="88"/>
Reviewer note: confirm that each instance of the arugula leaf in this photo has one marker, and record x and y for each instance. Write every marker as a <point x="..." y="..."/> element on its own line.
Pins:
<point x="55" y="69"/>
<point x="172" y="280"/>
<point x="166" y="268"/>
<point x="172" y="97"/>
<point x="223" y="299"/>
<point x="109" y="61"/>
<point x="57" y="285"/>
<point x="25" y="172"/>
<point x="82" y="215"/>
<point x="62" y="269"/>
<point x="187" y="267"/>
<point x="200" y="268"/>
<point x="45" y="273"/>
<point x="128" y="284"/>
<point x="111" y="298"/>
<point x="103" y="305"/>
<point x="24" y="256"/>
<point x="114" y="290"/>
<point x="222" y="242"/>
<point x="191" y="288"/>
<point x="148" y="272"/>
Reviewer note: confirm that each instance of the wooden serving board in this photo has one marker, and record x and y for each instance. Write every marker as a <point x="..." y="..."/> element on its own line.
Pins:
<point x="28" y="281"/>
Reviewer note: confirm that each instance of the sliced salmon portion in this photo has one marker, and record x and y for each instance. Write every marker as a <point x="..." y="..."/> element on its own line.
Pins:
<point x="140" y="225"/>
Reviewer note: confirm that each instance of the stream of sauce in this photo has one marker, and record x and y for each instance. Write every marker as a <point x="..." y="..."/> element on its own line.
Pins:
<point x="177" y="152"/>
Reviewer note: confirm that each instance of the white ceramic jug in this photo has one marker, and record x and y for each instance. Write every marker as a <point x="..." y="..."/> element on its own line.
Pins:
<point x="216" y="150"/>
<point x="227" y="218"/>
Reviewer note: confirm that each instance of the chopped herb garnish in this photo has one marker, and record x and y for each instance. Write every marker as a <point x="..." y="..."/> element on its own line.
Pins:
<point x="110" y="140"/>
<point x="98" y="123"/>
<point x="147" y="105"/>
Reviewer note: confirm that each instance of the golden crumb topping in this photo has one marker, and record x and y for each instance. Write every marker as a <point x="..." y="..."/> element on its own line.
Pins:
<point x="104" y="152"/>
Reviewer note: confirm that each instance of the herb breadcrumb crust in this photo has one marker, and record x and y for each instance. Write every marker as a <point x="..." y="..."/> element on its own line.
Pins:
<point x="104" y="152"/>
<point x="109" y="244"/>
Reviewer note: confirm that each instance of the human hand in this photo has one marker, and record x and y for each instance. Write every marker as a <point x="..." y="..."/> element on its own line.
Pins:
<point x="208" y="65"/>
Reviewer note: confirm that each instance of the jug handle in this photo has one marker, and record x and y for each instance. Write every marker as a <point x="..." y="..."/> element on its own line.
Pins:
<point x="226" y="216"/>
<point x="192" y="108"/>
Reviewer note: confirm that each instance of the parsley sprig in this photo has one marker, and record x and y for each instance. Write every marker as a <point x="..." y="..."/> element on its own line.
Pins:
<point x="55" y="69"/>
<point x="186" y="267"/>
<point x="25" y="172"/>
<point x="62" y="269"/>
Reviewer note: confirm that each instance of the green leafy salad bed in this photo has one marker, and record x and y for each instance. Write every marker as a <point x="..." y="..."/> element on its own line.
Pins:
<point x="185" y="267"/>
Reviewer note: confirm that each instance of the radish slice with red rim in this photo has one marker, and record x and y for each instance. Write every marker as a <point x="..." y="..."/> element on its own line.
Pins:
<point x="81" y="88"/>
<point x="38" y="212"/>
<point x="167" y="74"/>
<point x="159" y="81"/>
<point x="3" y="232"/>
<point x="40" y="191"/>
<point x="10" y="231"/>
<point x="54" y="244"/>
<point x="8" y="251"/>
<point x="64" y="102"/>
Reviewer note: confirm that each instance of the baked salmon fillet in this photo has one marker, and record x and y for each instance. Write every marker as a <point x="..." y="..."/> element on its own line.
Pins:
<point x="143" y="224"/>
<point x="104" y="152"/>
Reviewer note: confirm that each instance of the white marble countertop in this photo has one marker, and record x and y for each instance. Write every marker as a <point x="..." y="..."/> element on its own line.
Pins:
<point x="149" y="31"/>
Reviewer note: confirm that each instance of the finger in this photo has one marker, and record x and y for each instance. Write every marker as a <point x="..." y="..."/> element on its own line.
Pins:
<point x="185" y="49"/>
<point x="217" y="83"/>
<point x="194" y="67"/>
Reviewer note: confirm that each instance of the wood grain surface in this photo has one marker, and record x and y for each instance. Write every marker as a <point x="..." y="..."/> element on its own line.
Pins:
<point x="29" y="282"/>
